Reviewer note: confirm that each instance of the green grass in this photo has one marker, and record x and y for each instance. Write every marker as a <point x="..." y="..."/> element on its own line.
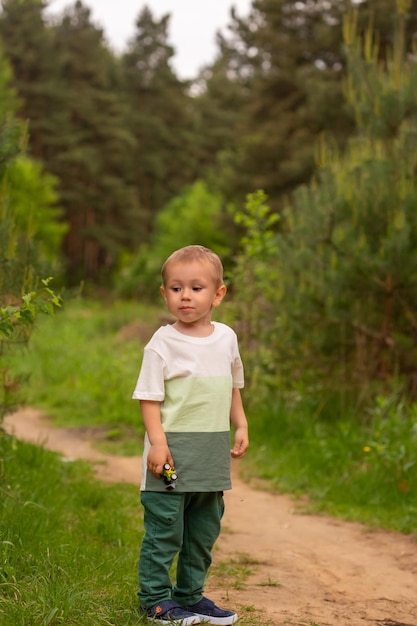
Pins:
<point x="234" y="573"/>
<point x="68" y="544"/>
<point x="360" y="468"/>
<point x="82" y="366"/>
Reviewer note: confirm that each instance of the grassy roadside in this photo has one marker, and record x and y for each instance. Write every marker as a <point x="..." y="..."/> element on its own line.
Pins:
<point x="82" y="367"/>
<point x="69" y="544"/>
<point x="364" y="471"/>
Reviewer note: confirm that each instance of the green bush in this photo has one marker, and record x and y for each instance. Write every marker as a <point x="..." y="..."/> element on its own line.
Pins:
<point x="197" y="216"/>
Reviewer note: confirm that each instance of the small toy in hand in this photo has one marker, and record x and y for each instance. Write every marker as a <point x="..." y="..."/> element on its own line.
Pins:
<point x="170" y="477"/>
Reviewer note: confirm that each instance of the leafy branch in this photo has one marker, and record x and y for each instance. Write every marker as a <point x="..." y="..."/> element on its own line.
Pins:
<point x="25" y="312"/>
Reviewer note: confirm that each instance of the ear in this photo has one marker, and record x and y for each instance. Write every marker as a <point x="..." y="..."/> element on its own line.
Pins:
<point x="163" y="292"/>
<point x="220" y="293"/>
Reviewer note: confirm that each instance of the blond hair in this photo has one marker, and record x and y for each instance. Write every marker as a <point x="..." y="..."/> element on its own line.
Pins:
<point x="195" y="253"/>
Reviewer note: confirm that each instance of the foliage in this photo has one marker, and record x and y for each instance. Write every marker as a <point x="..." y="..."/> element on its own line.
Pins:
<point x="94" y="152"/>
<point x="68" y="543"/>
<point x="29" y="239"/>
<point x="288" y="58"/>
<point x="160" y="118"/>
<point x="16" y="325"/>
<point x="38" y="231"/>
<point x="254" y="290"/>
<point x="30" y="233"/>
<point x="219" y="112"/>
<point x="25" y="312"/>
<point x="194" y="217"/>
<point x="30" y="230"/>
<point x="69" y="85"/>
<point x="355" y="232"/>
<point x="340" y="312"/>
<point x="137" y="275"/>
<point x="124" y="136"/>
<point x="197" y="216"/>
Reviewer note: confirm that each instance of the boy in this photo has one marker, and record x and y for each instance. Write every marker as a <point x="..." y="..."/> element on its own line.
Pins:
<point x="189" y="391"/>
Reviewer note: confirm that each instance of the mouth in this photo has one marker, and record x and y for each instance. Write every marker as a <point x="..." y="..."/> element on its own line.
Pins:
<point x="186" y="309"/>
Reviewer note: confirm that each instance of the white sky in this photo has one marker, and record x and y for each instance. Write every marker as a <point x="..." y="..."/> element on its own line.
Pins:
<point x="193" y="25"/>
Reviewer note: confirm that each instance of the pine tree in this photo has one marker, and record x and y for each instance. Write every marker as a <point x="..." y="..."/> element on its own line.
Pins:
<point x="30" y="47"/>
<point x="347" y="266"/>
<point x="161" y="118"/>
<point x="219" y="112"/>
<point x="69" y="84"/>
<point x="95" y="150"/>
<point x="288" y="57"/>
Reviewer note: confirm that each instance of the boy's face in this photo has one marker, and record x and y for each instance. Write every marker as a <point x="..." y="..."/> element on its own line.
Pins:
<point x="191" y="291"/>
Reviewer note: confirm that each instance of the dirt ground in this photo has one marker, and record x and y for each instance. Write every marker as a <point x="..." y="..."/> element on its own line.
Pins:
<point x="310" y="570"/>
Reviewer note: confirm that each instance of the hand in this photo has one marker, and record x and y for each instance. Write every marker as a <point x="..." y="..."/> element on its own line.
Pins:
<point x="241" y="442"/>
<point x="157" y="457"/>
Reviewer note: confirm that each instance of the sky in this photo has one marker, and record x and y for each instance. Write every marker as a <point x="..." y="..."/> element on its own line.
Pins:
<point x="193" y="25"/>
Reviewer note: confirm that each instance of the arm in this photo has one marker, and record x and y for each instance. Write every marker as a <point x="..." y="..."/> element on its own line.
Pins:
<point x="159" y="452"/>
<point x="239" y="421"/>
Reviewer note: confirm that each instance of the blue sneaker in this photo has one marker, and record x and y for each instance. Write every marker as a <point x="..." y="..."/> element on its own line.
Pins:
<point x="170" y="613"/>
<point x="209" y="613"/>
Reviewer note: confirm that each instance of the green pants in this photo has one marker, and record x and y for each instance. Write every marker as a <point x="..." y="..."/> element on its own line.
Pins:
<point x="186" y="524"/>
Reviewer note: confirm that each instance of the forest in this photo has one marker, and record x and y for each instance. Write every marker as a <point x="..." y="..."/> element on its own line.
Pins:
<point x="293" y="155"/>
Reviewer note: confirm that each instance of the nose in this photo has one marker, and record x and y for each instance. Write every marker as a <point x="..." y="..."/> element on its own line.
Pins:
<point x="185" y="294"/>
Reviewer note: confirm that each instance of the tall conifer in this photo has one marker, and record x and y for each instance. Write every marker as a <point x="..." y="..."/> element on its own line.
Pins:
<point x="161" y="118"/>
<point x="95" y="151"/>
<point x="29" y="45"/>
<point x="347" y="265"/>
<point x="69" y="85"/>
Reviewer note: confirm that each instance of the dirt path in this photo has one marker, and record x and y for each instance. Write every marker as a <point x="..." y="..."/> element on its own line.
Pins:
<point x="310" y="570"/>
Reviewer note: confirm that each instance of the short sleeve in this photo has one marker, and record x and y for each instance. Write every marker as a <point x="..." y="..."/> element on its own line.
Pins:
<point x="237" y="367"/>
<point x="150" y="384"/>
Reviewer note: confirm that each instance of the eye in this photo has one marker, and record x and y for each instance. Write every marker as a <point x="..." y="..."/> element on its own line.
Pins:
<point x="176" y="289"/>
<point x="197" y="288"/>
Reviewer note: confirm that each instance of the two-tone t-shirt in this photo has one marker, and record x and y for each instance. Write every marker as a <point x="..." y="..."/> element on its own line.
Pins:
<point x="192" y="378"/>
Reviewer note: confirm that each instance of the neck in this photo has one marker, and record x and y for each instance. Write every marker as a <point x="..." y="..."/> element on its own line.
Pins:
<point x="194" y="330"/>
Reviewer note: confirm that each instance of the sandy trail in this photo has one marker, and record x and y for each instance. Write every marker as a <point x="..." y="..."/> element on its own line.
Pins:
<point x="308" y="570"/>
